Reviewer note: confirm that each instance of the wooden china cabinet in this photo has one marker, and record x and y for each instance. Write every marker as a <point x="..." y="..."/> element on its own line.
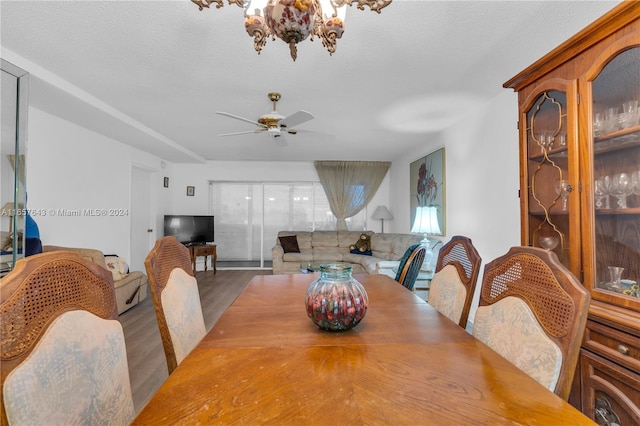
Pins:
<point x="579" y="126"/>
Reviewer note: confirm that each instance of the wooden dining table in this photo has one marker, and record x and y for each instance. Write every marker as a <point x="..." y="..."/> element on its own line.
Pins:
<point x="266" y="362"/>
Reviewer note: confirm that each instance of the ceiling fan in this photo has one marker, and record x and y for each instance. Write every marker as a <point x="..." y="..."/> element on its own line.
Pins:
<point x="274" y="124"/>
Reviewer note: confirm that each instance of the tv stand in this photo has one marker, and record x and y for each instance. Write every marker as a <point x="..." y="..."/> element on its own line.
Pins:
<point x="194" y="244"/>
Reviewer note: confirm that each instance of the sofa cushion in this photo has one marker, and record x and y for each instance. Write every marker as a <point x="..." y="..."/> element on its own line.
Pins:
<point x="93" y="255"/>
<point x="303" y="256"/>
<point x="381" y="246"/>
<point x="347" y="238"/>
<point x="324" y="239"/>
<point x="290" y="244"/>
<point x="327" y="253"/>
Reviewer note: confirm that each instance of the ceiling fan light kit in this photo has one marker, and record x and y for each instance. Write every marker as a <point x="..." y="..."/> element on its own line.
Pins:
<point x="294" y="21"/>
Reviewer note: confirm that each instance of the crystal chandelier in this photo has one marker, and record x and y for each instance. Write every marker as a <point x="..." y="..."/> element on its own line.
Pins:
<point x="295" y="20"/>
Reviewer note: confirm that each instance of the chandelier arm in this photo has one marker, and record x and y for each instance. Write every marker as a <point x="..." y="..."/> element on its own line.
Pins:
<point x="374" y="5"/>
<point x="207" y="3"/>
<point x="239" y="3"/>
<point x="219" y="3"/>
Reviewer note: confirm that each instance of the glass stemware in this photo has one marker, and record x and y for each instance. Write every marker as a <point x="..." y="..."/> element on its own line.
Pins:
<point x="562" y="189"/>
<point x="598" y="123"/>
<point x="605" y="186"/>
<point x="635" y="182"/>
<point x="549" y="242"/>
<point x="545" y="140"/>
<point x="600" y="193"/>
<point x="621" y="188"/>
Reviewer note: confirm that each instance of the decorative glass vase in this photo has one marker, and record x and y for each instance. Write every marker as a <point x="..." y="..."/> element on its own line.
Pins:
<point x="336" y="301"/>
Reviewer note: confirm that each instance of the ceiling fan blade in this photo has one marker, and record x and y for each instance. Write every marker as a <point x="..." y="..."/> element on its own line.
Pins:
<point x="237" y="117"/>
<point x="296" y="118"/>
<point x="243" y="133"/>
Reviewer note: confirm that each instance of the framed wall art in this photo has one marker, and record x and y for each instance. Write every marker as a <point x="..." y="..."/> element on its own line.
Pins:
<point x="427" y="186"/>
<point x="166" y="182"/>
<point x="191" y="191"/>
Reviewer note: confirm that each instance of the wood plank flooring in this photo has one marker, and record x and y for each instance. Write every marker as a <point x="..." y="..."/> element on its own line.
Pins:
<point x="147" y="364"/>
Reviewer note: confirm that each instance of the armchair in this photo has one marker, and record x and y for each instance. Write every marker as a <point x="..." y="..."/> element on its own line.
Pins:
<point x="131" y="288"/>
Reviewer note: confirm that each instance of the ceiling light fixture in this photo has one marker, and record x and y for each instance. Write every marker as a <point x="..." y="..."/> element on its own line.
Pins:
<point x="294" y="20"/>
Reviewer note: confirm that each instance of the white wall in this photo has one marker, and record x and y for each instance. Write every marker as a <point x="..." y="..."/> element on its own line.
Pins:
<point x="199" y="175"/>
<point x="70" y="168"/>
<point x="482" y="180"/>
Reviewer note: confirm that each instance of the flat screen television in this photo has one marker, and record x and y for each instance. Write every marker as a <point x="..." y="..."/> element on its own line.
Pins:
<point x="190" y="230"/>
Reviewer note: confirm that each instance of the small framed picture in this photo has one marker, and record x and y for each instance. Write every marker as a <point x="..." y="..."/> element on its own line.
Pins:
<point x="166" y="182"/>
<point x="191" y="190"/>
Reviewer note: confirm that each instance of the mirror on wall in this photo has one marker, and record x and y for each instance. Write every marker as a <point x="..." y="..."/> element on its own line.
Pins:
<point x="14" y="106"/>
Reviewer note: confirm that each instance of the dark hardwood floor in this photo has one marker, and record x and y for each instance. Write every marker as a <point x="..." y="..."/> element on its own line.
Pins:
<point x="147" y="364"/>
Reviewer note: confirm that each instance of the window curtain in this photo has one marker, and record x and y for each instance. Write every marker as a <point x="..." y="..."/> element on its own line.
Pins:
<point x="350" y="185"/>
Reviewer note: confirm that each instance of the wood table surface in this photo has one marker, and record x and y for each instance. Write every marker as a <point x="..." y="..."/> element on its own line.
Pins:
<point x="265" y="362"/>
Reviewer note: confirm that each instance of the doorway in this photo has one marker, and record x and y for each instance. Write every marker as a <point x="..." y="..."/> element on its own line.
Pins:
<point x="143" y="229"/>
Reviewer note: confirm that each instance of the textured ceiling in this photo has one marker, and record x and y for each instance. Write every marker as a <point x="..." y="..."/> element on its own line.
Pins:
<point x="153" y="73"/>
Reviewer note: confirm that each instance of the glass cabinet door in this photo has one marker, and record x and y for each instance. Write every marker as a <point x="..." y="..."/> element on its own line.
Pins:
<point x="616" y="178"/>
<point x="551" y="174"/>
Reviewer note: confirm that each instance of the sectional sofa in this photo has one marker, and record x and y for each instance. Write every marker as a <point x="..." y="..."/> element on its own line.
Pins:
<point x="316" y="247"/>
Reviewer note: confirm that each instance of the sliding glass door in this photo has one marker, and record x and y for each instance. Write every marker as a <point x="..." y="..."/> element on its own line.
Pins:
<point x="249" y="215"/>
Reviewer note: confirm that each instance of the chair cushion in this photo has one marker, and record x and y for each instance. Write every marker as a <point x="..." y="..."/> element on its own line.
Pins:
<point x="447" y="293"/>
<point x="510" y="328"/>
<point x="181" y="305"/>
<point x="79" y="390"/>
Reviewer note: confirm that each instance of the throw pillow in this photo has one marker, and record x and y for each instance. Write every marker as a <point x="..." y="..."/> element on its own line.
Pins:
<point x="117" y="265"/>
<point x="363" y="245"/>
<point x="290" y="244"/>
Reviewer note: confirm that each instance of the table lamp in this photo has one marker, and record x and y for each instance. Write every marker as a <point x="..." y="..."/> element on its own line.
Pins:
<point x="426" y="222"/>
<point x="382" y="213"/>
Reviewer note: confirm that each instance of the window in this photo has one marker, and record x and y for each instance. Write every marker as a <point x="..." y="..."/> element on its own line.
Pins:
<point x="249" y="215"/>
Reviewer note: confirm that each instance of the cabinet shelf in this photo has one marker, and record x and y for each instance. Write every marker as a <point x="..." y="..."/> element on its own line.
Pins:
<point x="618" y="140"/>
<point x="610" y="142"/>
<point x="560" y="152"/>
<point x="630" y="210"/>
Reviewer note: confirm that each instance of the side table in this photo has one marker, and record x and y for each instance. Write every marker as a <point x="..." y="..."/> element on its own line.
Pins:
<point x="206" y="251"/>
<point x="423" y="282"/>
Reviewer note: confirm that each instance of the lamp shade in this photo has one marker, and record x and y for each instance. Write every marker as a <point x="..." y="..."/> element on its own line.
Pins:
<point x="382" y="212"/>
<point x="426" y="221"/>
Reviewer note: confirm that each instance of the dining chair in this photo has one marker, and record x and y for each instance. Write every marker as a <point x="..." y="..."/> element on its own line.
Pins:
<point x="176" y="300"/>
<point x="410" y="265"/>
<point x="454" y="280"/>
<point x="63" y="358"/>
<point x="533" y="312"/>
